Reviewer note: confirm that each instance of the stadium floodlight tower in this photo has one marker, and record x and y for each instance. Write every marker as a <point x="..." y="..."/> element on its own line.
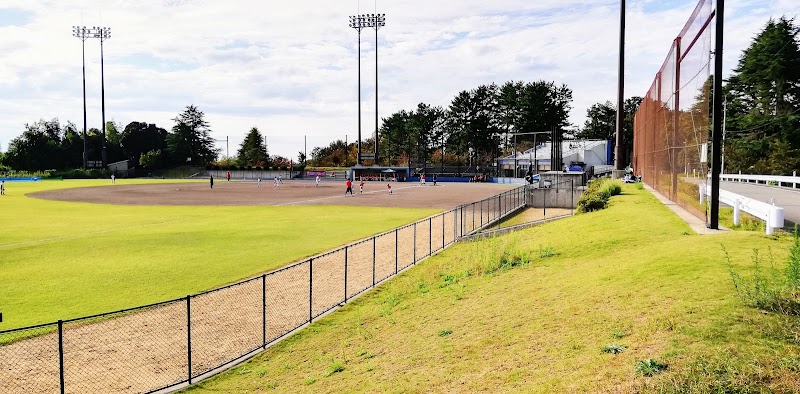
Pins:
<point x="359" y="22"/>
<point x="83" y="32"/>
<point x="376" y="21"/>
<point x="103" y="33"/>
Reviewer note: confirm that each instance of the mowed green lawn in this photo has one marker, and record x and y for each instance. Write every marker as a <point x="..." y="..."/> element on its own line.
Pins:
<point x="60" y="260"/>
<point x="632" y="275"/>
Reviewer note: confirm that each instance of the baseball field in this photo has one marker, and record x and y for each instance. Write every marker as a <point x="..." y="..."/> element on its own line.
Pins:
<point x="76" y="248"/>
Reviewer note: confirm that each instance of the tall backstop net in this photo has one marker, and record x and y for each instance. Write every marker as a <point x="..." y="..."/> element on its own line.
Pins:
<point x="673" y="123"/>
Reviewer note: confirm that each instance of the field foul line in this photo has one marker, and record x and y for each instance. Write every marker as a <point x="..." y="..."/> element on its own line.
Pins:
<point x="330" y="197"/>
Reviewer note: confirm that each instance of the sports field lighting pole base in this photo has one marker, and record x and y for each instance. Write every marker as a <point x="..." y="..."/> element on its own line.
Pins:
<point x="82" y="32"/>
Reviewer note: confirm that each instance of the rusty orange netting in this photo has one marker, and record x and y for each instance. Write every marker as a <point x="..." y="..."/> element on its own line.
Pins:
<point x="673" y="123"/>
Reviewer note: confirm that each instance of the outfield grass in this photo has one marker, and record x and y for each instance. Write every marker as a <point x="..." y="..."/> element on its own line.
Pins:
<point x="632" y="275"/>
<point x="61" y="260"/>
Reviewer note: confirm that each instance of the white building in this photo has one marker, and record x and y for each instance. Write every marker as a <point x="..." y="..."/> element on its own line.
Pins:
<point x="591" y="153"/>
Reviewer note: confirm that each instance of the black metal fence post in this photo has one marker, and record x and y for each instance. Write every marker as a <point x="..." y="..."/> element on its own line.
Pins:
<point x="264" y="310"/>
<point x="482" y="213"/>
<point x="396" y="247"/>
<point x="415" y="243"/>
<point x="310" y="289"/>
<point x="374" y="241"/>
<point x="189" y="336"/>
<point x="443" y="216"/>
<point x="499" y="206"/>
<point x="456" y="223"/>
<point x="473" y="217"/>
<point x="61" y="355"/>
<point x="345" y="274"/>
<point x="430" y="236"/>
<point x="572" y="198"/>
<point x="461" y="223"/>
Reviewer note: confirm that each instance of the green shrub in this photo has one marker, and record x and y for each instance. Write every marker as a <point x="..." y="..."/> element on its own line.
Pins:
<point x="591" y="202"/>
<point x="81" y="173"/>
<point x="334" y="367"/>
<point x="649" y="367"/>
<point x="613" y="348"/>
<point x="793" y="270"/>
<point x="597" y="194"/>
<point x="770" y="291"/>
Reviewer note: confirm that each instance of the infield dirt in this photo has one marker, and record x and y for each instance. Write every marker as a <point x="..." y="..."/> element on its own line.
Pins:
<point x="376" y="194"/>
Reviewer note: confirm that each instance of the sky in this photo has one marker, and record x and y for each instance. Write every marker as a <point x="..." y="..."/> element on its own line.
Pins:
<point x="291" y="68"/>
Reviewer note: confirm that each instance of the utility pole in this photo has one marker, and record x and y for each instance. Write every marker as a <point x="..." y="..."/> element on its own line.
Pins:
<point x="618" y="162"/>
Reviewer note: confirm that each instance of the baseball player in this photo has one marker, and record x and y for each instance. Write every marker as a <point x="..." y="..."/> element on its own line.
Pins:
<point x="349" y="187"/>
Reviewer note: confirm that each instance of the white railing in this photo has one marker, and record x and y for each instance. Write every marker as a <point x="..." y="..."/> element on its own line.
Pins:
<point x="603" y="169"/>
<point x="771" y="180"/>
<point x="771" y="215"/>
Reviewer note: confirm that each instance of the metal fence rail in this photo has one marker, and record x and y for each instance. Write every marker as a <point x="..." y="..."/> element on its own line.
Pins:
<point x="167" y="344"/>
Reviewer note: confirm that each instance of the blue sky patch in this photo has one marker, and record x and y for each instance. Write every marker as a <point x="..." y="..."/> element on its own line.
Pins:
<point x="14" y="17"/>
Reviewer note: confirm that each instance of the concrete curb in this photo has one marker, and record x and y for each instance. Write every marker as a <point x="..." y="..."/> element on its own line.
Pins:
<point x="696" y="224"/>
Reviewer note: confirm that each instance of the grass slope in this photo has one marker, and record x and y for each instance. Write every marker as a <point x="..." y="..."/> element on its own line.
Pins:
<point x="630" y="275"/>
<point x="61" y="260"/>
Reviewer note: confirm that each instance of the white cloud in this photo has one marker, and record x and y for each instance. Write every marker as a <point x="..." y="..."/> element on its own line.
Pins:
<point x="290" y="68"/>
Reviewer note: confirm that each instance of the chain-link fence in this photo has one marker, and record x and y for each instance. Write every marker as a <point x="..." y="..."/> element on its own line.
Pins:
<point x="672" y="124"/>
<point x="158" y="346"/>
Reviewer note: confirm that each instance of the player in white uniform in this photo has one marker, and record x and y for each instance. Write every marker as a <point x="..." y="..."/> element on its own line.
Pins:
<point x="318" y="180"/>
<point x="258" y="183"/>
<point x="277" y="182"/>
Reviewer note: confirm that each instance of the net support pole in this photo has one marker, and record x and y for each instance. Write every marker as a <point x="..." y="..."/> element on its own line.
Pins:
<point x="716" y="131"/>
<point x="673" y="156"/>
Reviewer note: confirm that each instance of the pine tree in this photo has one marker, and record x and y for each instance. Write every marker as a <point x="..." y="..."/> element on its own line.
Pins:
<point x="253" y="151"/>
<point x="190" y="139"/>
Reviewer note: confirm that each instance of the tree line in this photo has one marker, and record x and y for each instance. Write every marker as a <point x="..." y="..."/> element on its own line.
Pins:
<point x="763" y="104"/>
<point x="476" y="127"/>
<point x="49" y="145"/>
